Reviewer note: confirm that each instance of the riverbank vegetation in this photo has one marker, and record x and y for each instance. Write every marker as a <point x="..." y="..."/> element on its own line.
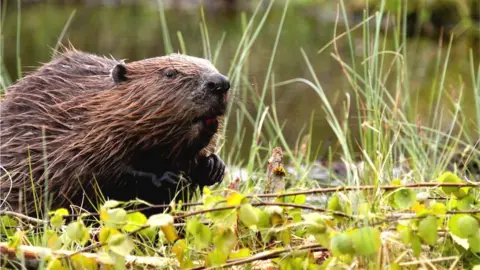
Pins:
<point x="400" y="177"/>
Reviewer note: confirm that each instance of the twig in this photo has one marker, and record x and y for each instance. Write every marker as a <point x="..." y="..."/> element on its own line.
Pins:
<point x="431" y="260"/>
<point x="367" y="187"/>
<point x="35" y="253"/>
<point x="316" y="209"/>
<point x="22" y="216"/>
<point x="156" y="206"/>
<point x="264" y="256"/>
<point x="409" y="215"/>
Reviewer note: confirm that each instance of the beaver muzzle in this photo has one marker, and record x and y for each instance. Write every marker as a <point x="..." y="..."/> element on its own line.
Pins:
<point x="217" y="86"/>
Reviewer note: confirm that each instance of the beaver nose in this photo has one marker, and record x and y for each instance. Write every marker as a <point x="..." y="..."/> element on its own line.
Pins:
<point x="217" y="83"/>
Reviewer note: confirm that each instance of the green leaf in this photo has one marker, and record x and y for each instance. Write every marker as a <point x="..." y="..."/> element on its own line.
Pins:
<point x="395" y="266"/>
<point x="439" y="209"/>
<point x="427" y="230"/>
<point x="149" y="233"/>
<point x="296" y="199"/>
<point x="80" y="261"/>
<point x="463" y="225"/>
<point x="248" y="215"/>
<point x="366" y="241"/>
<point x="239" y="254"/>
<point x="449" y="177"/>
<point x="114" y="218"/>
<point x="315" y="223"/>
<point x="223" y="218"/>
<point x="466" y="203"/>
<point x="216" y="257"/>
<point x="339" y="202"/>
<point x="200" y="233"/>
<point x="295" y="214"/>
<point x="121" y="244"/>
<point x="404" y="198"/>
<point x="211" y="201"/>
<point x="474" y="242"/>
<point x="225" y="240"/>
<point x="59" y="212"/>
<point x="181" y="253"/>
<point x="342" y="244"/>
<point x="134" y="221"/>
<point x="285" y="235"/>
<point x="468" y="225"/>
<point x="111" y="204"/>
<point x="235" y="198"/>
<point x="77" y="231"/>
<point x="300" y="199"/>
<point x="263" y="219"/>
<point x="160" y="220"/>
<point x="406" y="234"/>
<point x="8" y="225"/>
<point x="105" y="234"/>
<point x="52" y="239"/>
<point x="416" y="245"/>
<point x="461" y="192"/>
<point x="56" y="221"/>
<point x="55" y="264"/>
<point x="16" y="239"/>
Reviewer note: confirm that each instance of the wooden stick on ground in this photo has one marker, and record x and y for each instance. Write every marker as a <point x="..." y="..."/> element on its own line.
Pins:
<point x="33" y="255"/>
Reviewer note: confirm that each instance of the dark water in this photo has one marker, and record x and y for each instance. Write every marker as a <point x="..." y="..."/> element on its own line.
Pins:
<point x="134" y="32"/>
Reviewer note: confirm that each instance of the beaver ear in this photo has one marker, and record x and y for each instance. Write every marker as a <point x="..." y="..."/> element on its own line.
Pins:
<point x="119" y="72"/>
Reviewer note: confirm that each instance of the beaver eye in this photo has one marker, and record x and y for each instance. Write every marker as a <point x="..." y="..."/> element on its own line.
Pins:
<point x="171" y="73"/>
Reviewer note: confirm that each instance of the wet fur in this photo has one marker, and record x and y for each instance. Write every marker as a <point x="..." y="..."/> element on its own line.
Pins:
<point x="94" y="128"/>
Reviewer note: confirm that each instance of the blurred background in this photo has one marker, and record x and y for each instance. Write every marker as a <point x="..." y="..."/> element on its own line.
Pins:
<point x="131" y="30"/>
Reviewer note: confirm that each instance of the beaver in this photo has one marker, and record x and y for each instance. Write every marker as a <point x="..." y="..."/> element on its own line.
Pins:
<point x="83" y="125"/>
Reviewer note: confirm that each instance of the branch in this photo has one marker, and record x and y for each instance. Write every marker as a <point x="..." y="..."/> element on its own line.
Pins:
<point x="316" y="209"/>
<point x="35" y="253"/>
<point x="367" y="187"/>
<point x="22" y="216"/>
<point x="265" y="256"/>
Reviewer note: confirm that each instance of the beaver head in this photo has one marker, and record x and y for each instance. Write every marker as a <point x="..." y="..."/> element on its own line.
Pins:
<point x="174" y="103"/>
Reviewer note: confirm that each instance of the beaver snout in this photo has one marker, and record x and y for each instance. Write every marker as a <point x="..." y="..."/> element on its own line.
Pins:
<point x="216" y="84"/>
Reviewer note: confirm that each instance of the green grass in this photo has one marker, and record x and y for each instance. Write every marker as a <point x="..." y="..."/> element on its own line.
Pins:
<point x="394" y="130"/>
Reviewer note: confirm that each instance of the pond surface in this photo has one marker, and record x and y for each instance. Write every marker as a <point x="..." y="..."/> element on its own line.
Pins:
<point x="134" y="32"/>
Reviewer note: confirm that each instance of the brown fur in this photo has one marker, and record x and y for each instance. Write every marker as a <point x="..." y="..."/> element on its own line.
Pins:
<point x="89" y="127"/>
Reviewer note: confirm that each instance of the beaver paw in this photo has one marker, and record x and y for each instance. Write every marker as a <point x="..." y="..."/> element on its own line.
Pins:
<point x="168" y="178"/>
<point x="210" y="170"/>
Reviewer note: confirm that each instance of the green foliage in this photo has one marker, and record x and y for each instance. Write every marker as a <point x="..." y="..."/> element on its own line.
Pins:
<point x="77" y="231"/>
<point x="247" y="215"/>
<point x="264" y="228"/>
<point x="355" y="225"/>
<point x="7" y="225"/>
<point x="366" y="241"/>
<point x="342" y="244"/>
<point x="404" y="198"/>
<point x="427" y="230"/>
<point x="463" y="226"/>
<point x="121" y="244"/>
<point x="57" y="220"/>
